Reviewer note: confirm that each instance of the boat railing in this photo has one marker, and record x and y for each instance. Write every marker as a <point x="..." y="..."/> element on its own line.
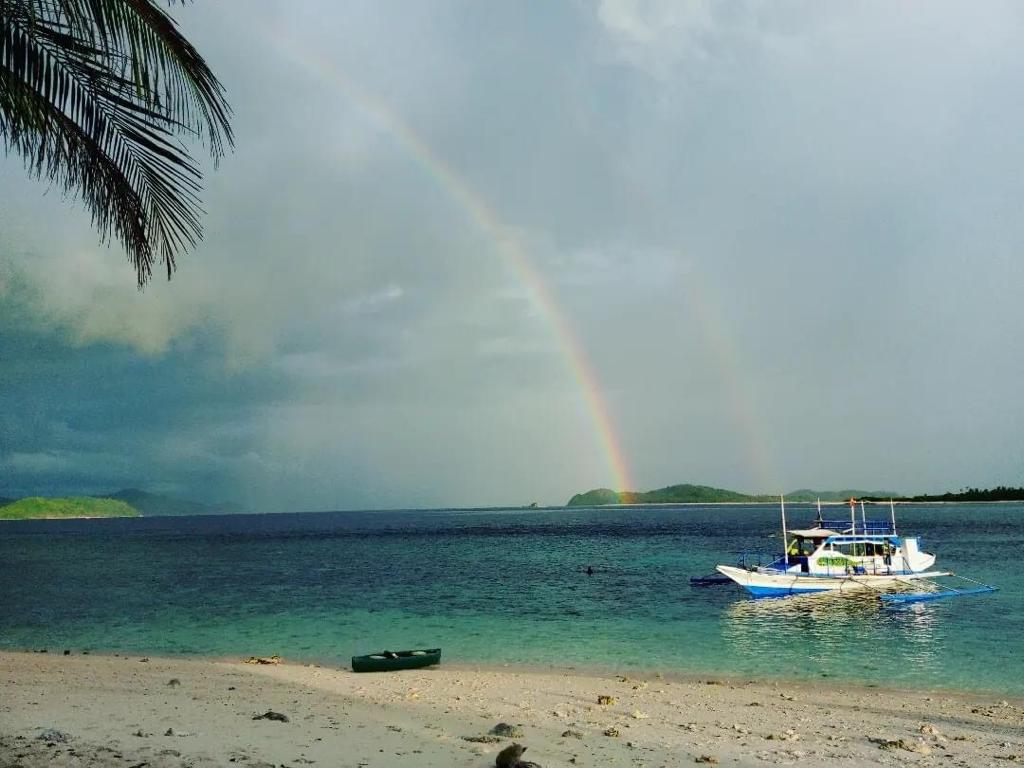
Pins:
<point x="867" y="527"/>
<point x="752" y="559"/>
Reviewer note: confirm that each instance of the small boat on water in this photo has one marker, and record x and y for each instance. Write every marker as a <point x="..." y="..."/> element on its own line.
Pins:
<point x="387" y="661"/>
<point x="846" y="555"/>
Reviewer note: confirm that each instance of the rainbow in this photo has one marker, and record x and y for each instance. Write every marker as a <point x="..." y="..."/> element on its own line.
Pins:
<point x="721" y="346"/>
<point x="506" y="244"/>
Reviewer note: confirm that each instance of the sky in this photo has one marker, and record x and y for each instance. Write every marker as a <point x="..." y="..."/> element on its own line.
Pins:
<point x="473" y="254"/>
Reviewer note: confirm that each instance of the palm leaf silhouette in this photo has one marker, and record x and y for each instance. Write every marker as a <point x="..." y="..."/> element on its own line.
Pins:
<point x="96" y="95"/>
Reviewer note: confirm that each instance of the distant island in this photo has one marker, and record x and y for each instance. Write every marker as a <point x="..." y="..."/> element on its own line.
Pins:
<point x="37" y="507"/>
<point x="687" y="493"/>
<point x="703" y="494"/>
<point x="129" y="502"/>
<point x="158" y="505"/>
<point x="673" y="494"/>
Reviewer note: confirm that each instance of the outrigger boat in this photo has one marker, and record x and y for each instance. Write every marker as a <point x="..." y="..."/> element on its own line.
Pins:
<point x="844" y="556"/>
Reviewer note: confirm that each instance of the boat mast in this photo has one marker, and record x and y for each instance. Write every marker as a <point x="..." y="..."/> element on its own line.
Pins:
<point x="785" y="542"/>
<point x="863" y="518"/>
<point x="853" y="516"/>
<point x="892" y="510"/>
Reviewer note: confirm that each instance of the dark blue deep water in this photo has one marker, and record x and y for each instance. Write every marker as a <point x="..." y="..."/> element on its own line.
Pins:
<point x="507" y="586"/>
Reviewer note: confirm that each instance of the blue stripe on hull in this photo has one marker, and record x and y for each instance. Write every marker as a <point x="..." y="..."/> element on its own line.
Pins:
<point x="782" y="591"/>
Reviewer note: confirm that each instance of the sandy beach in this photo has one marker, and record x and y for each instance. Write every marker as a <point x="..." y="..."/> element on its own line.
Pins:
<point x="90" y="710"/>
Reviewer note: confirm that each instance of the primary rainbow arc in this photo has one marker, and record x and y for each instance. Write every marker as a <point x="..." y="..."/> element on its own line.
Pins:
<point x="506" y="245"/>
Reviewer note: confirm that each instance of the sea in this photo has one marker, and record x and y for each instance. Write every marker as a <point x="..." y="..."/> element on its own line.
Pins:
<point x="510" y="587"/>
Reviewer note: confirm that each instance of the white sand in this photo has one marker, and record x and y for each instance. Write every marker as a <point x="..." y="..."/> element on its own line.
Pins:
<point x="116" y="711"/>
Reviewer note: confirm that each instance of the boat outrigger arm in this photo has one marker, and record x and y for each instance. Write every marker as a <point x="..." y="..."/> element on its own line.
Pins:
<point x="937" y="594"/>
<point x="845" y="556"/>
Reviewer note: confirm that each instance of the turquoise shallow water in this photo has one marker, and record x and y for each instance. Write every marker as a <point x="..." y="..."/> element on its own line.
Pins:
<point x="508" y="587"/>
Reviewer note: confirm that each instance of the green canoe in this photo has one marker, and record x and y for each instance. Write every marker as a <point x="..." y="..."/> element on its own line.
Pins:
<point x="385" y="661"/>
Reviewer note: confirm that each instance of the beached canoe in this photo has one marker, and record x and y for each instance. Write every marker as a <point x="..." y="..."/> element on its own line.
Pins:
<point x="386" y="661"/>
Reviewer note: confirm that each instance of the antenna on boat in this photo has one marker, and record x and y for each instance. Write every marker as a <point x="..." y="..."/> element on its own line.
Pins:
<point x="819" y="520"/>
<point x="785" y="543"/>
<point x="892" y="510"/>
<point x="853" y="515"/>
<point x="863" y="518"/>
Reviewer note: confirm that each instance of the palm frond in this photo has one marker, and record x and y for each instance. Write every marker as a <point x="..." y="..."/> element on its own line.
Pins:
<point x="95" y="95"/>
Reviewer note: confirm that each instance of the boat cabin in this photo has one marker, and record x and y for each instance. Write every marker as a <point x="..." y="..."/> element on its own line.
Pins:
<point x="826" y="552"/>
<point x="803" y="546"/>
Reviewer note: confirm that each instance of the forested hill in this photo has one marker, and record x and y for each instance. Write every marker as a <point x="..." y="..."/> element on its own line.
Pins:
<point x="129" y="502"/>
<point x="673" y="494"/>
<point x="154" y="504"/>
<point x="36" y="507"/>
<point x="705" y="494"/>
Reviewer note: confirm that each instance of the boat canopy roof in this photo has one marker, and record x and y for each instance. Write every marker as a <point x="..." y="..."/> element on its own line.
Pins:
<point x="858" y="538"/>
<point x="814" y="533"/>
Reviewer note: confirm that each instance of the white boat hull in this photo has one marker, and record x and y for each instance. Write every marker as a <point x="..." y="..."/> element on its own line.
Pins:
<point x="778" y="584"/>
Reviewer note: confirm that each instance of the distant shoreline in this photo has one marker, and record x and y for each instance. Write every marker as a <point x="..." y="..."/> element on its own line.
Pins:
<point x="70" y="517"/>
<point x="776" y="503"/>
<point x="645" y="505"/>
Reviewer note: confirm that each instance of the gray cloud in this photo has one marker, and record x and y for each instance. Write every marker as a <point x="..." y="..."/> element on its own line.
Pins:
<point x="784" y="234"/>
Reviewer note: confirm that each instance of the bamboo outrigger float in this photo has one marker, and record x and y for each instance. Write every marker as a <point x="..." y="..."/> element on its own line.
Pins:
<point x="846" y="556"/>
